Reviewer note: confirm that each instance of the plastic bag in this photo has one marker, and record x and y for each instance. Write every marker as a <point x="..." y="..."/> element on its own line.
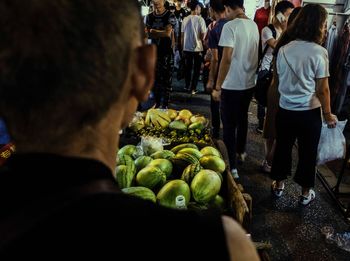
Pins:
<point x="342" y="240"/>
<point x="332" y="144"/>
<point x="151" y="145"/>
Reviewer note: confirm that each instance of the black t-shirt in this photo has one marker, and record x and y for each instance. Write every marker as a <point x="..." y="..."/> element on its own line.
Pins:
<point x="180" y="14"/>
<point x="160" y="22"/>
<point x="107" y="225"/>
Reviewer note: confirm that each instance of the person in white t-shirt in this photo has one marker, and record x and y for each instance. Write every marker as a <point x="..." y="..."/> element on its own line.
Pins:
<point x="237" y="78"/>
<point x="303" y="69"/>
<point x="269" y="37"/>
<point x="192" y="35"/>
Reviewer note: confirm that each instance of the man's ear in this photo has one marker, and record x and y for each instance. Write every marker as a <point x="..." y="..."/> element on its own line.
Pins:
<point x="143" y="72"/>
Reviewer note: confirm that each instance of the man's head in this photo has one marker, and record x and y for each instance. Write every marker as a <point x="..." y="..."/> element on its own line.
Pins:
<point x="65" y="65"/>
<point x="217" y="7"/>
<point x="282" y="11"/>
<point x="195" y="7"/>
<point x="233" y="7"/>
<point x="158" y="5"/>
<point x="267" y="4"/>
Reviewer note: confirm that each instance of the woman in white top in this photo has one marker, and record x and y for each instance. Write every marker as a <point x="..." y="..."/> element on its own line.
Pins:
<point x="268" y="42"/>
<point x="302" y="69"/>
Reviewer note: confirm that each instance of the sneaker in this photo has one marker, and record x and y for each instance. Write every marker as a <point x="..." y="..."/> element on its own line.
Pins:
<point x="241" y="158"/>
<point x="277" y="192"/>
<point x="265" y="167"/>
<point x="235" y="173"/>
<point x="306" y="200"/>
<point x="194" y="92"/>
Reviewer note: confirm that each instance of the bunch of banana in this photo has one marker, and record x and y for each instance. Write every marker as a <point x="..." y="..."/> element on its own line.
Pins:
<point x="157" y="118"/>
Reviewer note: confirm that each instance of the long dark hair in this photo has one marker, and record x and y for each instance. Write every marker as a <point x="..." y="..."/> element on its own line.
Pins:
<point x="307" y="26"/>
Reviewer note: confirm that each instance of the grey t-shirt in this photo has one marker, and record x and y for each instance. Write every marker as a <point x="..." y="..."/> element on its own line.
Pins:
<point x="297" y="85"/>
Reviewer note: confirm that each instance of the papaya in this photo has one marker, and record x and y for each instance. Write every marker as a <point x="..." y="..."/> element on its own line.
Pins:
<point x="150" y="177"/>
<point x="142" y="162"/>
<point x="124" y="176"/>
<point x="177" y="148"/>
<point x="178" y="125"/>
<point x="210" y="151"/>
<point x="196" y="126"/>
<point x="181" y="161"/>
<point x="129" y="150"/>
<point x="214" y="163"/>
<point x="190" y="172"/>
<point x="167" y="195"/>
<point x="164" y="165"/>
<point x="164" y="154"/>
<point x="141" y="192"/>
<point x="191" y="151"/>
<point x="185" y="114"/>
<point x="205" y="186"/>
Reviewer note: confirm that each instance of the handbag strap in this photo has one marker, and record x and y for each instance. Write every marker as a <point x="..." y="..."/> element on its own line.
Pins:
<point x="290" y="67"/>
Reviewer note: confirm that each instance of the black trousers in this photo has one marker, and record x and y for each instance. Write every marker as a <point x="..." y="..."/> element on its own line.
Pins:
<point x="215" y="117"/>
<point x="162" y="85"/>
<point x="193" y="61"/>
<point x="234" y="116"/>
<point x="261" y="116"/>
<point x="305" y="127"/>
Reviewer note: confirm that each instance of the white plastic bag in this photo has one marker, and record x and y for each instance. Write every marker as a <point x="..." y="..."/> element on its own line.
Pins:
<point x="332" y="143"/>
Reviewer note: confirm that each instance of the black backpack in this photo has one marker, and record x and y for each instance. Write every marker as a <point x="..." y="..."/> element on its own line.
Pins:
<point x="264" y="77"/>
<point x="261" y="52"/>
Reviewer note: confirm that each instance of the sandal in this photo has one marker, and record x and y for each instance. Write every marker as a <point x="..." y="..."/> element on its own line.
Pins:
<point x="277" y="192"/>
<point x="306" y="200"/>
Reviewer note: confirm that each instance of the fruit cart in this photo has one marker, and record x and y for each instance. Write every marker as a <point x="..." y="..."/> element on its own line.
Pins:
<point x="182" y="127"/>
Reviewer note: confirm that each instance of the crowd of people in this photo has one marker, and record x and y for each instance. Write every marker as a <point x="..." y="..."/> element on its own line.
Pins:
<point x="72" y="75"/>
<point x="240" y="50"/>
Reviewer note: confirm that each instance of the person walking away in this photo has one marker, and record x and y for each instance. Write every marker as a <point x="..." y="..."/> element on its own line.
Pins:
<point x="269" y="38"/>
<point x="192" y="34"/>
<point x="303" y="70"/>
<point x="159" y="26"/>
<point x="82" y="76"/>
<point x="236" y="79"/>
<point x="218" y="10"/>
<point x="261" y="18"/>
<point x="273" y="96"/>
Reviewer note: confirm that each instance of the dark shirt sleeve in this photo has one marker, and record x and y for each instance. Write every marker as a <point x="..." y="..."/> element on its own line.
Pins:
<point x="213" y="42"/>
<point x="171" y="20"/>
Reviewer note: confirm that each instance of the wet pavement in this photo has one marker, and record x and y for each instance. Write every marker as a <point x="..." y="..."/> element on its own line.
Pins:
<point x="293" y="231"/>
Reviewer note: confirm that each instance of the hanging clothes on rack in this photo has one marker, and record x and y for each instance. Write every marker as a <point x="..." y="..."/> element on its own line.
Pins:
<point x="331" y="41"/>
<point x="339" y="59"/>
<point x="343" y="90"/>
<point x="347" y="6"/>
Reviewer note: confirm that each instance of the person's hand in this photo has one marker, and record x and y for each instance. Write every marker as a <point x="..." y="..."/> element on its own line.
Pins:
<point x="210" y="86"/>
<point x="216" y="95"/>
<point x="330" y="119"/>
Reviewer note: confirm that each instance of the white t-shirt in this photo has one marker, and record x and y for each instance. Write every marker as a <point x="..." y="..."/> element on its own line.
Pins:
<point x="243" y="36"/>
<point x="266" y="34"/>
<point x="193" y="26"/>
<point x="309" y="62"/>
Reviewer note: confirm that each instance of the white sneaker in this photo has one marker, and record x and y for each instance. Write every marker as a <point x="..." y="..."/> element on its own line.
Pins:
<point x="278" y="192"/>
<point x="241" y="157"/>
<point x="306" y="200"/>
<point x="235" y="173"/>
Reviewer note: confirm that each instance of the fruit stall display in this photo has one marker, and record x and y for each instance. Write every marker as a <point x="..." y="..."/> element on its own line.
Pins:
<point x="171" y="125"/>
<point x="197" y="172"/>
<point x="163" y="176"/>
